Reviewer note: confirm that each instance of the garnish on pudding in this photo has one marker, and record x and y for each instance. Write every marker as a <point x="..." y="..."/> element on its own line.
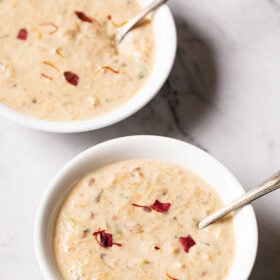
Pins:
<point x="105" y="239"/>
<point x="170" y="277"/>
<point x="22" y="34"/>
<point x="83" y="17"/>
<point x="156" y="206"/>
<point x="71" y="78"/>
<point x="115" y="23"/>
<point x="187" y="243"/>
<point x="53" y="26"/>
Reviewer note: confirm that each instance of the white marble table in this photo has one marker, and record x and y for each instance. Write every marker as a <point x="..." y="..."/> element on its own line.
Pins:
<point x="223" y="96"/>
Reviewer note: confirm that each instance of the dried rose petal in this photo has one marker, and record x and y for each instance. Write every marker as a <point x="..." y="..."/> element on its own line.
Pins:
<point x="83" y="17"/>
<point x="187" y="243"/>
<point x="105" y="239"/>
<point x="161" y="207"/>
<point x="156" y="206"/>
<point x="22" y="34"/>
<point x="71" y="78"/>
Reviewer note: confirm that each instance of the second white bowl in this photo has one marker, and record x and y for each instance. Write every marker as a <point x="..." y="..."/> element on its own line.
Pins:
<point x="147" y="147"/>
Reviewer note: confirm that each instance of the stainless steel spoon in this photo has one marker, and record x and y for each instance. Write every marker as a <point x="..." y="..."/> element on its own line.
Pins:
<point x="131" y="23"/>
<point x="271" y="184"/>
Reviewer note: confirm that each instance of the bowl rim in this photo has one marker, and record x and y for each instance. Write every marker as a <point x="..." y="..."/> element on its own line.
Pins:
<point x="43" y="211"/>
<point x="127" y="109"/>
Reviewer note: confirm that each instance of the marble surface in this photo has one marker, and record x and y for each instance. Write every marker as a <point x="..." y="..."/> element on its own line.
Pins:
<point x="223" y="96"/>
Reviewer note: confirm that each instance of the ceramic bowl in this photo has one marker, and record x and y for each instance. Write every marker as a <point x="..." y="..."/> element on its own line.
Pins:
<point x="146" y="147"/>
<point x="165" y="50"/>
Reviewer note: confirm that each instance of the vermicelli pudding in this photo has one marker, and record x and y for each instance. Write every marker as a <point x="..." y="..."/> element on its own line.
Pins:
<point x="138" y="219"/>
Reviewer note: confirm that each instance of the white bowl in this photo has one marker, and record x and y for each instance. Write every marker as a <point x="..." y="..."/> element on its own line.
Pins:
<point x="148" y="147"/>
<point x="166" y="44"/>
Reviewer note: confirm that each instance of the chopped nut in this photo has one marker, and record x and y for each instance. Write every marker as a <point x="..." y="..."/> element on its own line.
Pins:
<point x="118" y="233"/>
<point x="138" y="170"/>
<point x="163" y="191"/>
<point x="138" y="229"/>
<point x="91" y="215"/>
<point x="91" y="182"/>
<point x="176" y="251"/>
<point x="84" y="233"/>
<point x="203" y="273"/>
<point x="7" y="70"/>
<point x="93" y="101"/>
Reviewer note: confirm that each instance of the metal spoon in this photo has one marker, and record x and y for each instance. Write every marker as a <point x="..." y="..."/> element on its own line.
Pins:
<point x="271" y="184"/>
<point x="131" y="23"/>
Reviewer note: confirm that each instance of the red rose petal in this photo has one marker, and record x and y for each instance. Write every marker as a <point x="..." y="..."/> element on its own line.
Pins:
<point x="71" y="78"/>
<point x="156" y="206"/>
<point x="161" y="207"/>
<point x="187" y="243"/>
<point x="22" y="34"/>
<point x="83" y="17"/>
<point x="105" y="239"/>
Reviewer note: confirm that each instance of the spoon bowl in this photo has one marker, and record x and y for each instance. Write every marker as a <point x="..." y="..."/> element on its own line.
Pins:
<point x="134" y="21"/>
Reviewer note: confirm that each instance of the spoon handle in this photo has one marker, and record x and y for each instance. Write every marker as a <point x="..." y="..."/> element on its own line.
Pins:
<point x="127" y="27"/>
<point x="271" y="184"/>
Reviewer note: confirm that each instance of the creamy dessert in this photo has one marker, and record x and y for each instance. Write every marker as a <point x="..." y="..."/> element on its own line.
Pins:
<point x="138" y="219"/>
<point x="59" y="60"/>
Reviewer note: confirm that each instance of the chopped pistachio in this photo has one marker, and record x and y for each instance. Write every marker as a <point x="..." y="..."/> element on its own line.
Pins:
<point x="146" y="261"/>
<point x="117" y="233"/>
